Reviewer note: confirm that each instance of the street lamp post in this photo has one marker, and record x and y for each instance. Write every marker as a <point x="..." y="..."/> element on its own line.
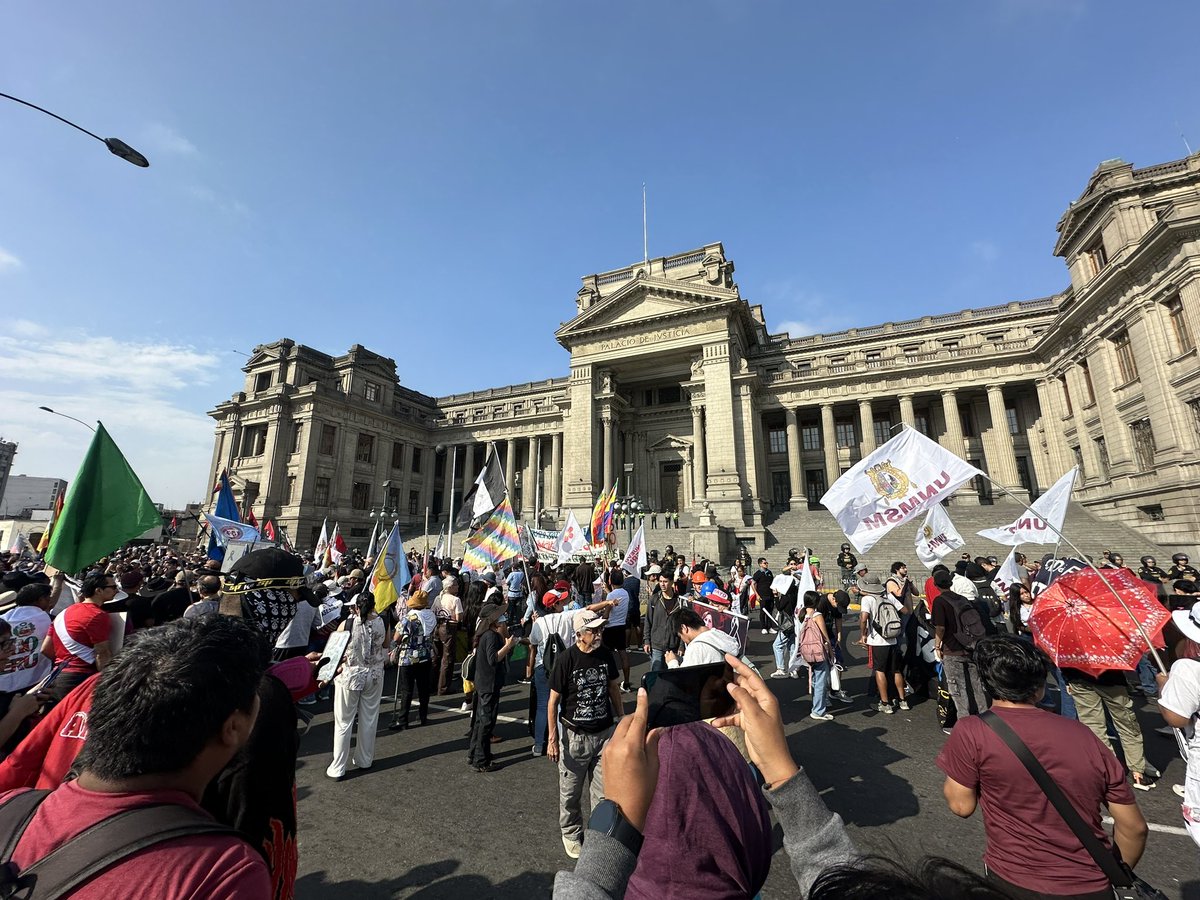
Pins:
<point x="65" y="416"/>
<point x="116" y="146"/>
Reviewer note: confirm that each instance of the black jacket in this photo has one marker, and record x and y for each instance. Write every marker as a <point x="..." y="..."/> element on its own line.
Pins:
<point x="660" y="626"/>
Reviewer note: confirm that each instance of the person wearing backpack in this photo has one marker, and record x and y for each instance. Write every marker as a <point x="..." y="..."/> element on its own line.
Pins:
<point x="552" y="633"/>
<point x="880" y="623"/>
<point x="958" y="626"/>
<point x="149" y="754"/>
<point x="816" y="650"/>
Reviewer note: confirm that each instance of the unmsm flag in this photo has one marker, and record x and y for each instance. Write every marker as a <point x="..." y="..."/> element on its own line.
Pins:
<point x="1044" y="521"/>
<point x="391" y="572"/>
<point x="937" y="537"/>
<point x="106" y="506"/>
<point x="226" y="530"/>
<point x="495" y="541"/>
<point x="602" y="514"/>
<point x="322" y="543"/>
<point x="570" y="540"/>
<point x="635" y="556"/>
<point x="892" y="485"/>
<point x="226" y="508"/>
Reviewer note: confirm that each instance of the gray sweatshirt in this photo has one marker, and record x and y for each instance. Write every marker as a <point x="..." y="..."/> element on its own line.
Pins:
<point x="813" y="838"/>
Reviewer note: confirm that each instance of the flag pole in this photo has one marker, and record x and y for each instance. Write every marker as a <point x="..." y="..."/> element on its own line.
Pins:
<point x="450" y="509"/>
<point x="1083" y="556"/>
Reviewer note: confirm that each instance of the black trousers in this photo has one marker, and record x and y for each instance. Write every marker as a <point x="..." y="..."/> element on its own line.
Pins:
<point x="487" y="706"/>
<point x="415" y="675"/>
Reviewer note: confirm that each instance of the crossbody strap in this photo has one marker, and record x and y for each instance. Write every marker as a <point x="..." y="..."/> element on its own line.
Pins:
<point x="1104" y="858"/>
<point x="15" y="815"/>
<point x="112" y="840"/>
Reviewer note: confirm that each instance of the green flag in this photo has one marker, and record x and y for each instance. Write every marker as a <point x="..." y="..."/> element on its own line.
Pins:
<point x="106" y="506"/>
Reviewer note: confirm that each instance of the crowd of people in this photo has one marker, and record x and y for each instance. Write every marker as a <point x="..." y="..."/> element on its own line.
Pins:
<point x="156" y="679"/>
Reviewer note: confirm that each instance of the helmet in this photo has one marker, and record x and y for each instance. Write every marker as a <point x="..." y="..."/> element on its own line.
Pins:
<point x="1148" y="560"/>
<point x="1179" y="557"/>
<point x="845" y="546"/>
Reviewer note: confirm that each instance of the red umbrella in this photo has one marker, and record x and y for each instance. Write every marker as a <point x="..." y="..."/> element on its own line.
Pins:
<point x="1081" y="625"/>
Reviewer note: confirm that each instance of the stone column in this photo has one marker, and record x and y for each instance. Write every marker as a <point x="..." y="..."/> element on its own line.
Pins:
<point x="532" y="476"/>
<point x="1059" y="456"/>
<point x="554" y="486"/>
<point x="510" y="470"/>
<point x="469" y="473"/>
<point x="866" y="424"/>
<point x="607" y="481"/>
<point x="1120" y="444"/>
<point x="907" y="415"/>
<point x="829" y="442"/>
<point x="699" y="457"/>
<point x="1150" y="342"/>
<point x="795" y="475"/>
<point x="1002" y="461"/>
<point x="952" y="440"/>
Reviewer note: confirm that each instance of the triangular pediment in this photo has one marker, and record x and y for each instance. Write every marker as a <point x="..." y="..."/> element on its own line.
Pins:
<point x="670" y="442"/>
<point x="648" y="300"/>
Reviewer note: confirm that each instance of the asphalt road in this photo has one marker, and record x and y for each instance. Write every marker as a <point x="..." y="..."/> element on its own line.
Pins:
<point x="421" y="824"/>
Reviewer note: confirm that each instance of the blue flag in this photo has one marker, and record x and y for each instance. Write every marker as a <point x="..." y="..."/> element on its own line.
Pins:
<point x="225" y="510"/>
<point x="225" y="530"/>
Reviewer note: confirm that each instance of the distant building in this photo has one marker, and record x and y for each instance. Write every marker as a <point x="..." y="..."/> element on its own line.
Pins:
<point x="26" y="493"/>
<point x="8" y="449"/>
<point x="677" y="387"/>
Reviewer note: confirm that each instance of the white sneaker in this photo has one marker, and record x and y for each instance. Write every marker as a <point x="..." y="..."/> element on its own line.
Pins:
<point x="904" y="705"/>
<point x="886" y="709"/>
<point x="828" y="717"/>
<point x="573" y="848"/>
<point x="765" y="631"/>
<point x="842" y="697"/>
<point x="466" y="707"/>
<point x="1178" y="789"/>
<point x="779" y="673"/>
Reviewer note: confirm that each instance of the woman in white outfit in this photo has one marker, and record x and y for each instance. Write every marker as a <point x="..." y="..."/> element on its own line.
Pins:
<point x="359" y="687"/>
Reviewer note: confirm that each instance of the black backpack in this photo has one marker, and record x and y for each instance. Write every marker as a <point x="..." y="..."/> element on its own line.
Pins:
<point x="554" y="646"/>
<point x="94" y="850"/>
<point x="969" y="622"/>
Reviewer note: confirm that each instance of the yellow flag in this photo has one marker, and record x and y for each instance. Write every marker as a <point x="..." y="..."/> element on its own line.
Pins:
<point x="391" y="571"/>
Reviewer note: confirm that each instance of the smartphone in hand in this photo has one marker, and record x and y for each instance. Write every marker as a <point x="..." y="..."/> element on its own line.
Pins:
<point x="688" y="694"/>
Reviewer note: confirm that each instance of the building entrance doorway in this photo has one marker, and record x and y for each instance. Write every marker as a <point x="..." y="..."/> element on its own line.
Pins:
<point x="670" y="487"/>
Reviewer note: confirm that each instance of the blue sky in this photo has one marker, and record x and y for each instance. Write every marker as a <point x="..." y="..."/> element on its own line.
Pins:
<point x="411" y="176"/>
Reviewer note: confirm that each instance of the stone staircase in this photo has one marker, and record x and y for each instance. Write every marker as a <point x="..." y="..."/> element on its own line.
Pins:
<point x="819" y="530"/>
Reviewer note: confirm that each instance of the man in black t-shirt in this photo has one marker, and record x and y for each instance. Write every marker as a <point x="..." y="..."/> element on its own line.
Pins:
<point x="762" y="579"/>
<point x="585" y="697"/>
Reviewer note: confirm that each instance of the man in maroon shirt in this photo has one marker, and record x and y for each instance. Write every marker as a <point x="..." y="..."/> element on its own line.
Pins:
<point x="169" y="714"/>
<point x="1031" y="852"/>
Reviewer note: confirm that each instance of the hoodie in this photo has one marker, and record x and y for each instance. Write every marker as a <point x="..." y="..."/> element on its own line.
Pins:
<point x="708" y="647"/>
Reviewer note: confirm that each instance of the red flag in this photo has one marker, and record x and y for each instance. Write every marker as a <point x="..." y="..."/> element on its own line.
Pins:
<point x="339" y="544"/>
<point x="269" y="530"/>
<point x="250" y="520"/>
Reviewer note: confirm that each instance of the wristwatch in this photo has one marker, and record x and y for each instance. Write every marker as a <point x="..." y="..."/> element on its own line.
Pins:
<point x="607" y="818"/>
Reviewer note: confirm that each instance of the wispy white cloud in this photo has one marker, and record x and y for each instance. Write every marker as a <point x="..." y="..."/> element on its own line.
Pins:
<point x="220" y="202"/>
<point x="25" y="329"/>
<point x="8" y="262"/>
<point x="162" y="138"/>
<point x="137" y="388"/>
<point x="805" y="311"/>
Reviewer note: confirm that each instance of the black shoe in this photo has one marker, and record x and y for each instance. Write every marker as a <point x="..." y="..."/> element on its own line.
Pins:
<point x="398" y="725"/>
<point x="486" y="767"/>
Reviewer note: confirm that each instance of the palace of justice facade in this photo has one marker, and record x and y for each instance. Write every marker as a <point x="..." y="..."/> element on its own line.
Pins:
<point x="677" y="388"/>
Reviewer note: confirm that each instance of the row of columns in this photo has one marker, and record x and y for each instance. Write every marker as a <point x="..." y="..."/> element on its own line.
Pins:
<point x="552" y="489"/>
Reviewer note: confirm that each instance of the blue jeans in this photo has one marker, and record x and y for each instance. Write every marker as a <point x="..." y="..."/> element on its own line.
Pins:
<point x="1145" y="674"/>
<point x="657" y="663"/>
<point x="820" y="689"/>
<point x="541" y="684"/>
<point x="1066" y="707"/>
<point x="782" y="645"/>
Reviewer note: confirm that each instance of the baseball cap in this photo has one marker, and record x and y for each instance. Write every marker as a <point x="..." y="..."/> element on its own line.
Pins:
<point x="358" y="573"/>
<point x="654" y="570"/>
<point x="585" y="619"/>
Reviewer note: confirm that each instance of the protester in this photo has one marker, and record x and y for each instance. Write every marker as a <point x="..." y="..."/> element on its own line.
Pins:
<point x="958" y="627"/>
<point x="881" y="631"/>
<point x="80" y="635"/>
<point x="172" y="711"/>
<point x="705" y="645"/>
<point x="1179" y="704"/>
<point x="414" y="652"/>
<point x="358" y="688"/>
<point x="495" y="645"/>
<point x="762" y="578"/>
<point x="448" y="611"/>
<point x="784" y="619"/>
<point x="1031" y="852"/>
<point x="208" y="588"/>
<point x="30" y="623"/>
<point x="1105" y="696"/>
<point x="585" y="700"/>
<point x="816" y="650"/>
<point x="616" y="631"/>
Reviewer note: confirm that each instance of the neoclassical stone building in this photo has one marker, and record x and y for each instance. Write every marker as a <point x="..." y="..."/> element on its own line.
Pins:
<point x="677" y="388"/>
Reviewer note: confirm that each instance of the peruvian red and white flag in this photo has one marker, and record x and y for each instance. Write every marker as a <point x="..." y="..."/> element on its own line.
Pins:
<point x="1011" y="572"/>
<point x="937" y="537"/>
<point x="571" y="539"/>
<point x="635" y="556"/>
<point x="892" y="485"/>
<point x="337" y="545"/>
<point x="1042" y="525"/>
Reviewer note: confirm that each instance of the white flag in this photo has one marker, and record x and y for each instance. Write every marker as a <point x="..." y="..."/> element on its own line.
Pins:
<point x="442" y="547"/>
<point x="937" y="537"/>
<point x="1041" y="526"/>
<point x="570" y="540"/>
<point x="374" y="540"/>
<point x="890" y="486"/>
<point x="19" y="545"/>
<point x="322" y="542"/>
<point x="335" y="554"/>
<point x="1011" y="572"/>
<point x="635" y="556"/>
<point x="807" y="583"/>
